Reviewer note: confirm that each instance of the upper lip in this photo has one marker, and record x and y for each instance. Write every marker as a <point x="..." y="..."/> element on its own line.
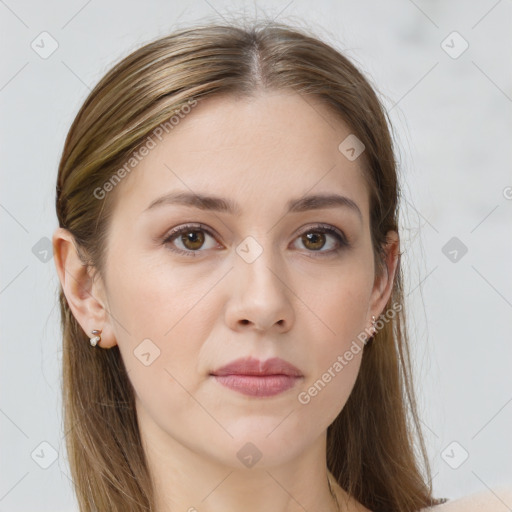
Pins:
<point x="251" y="366"/>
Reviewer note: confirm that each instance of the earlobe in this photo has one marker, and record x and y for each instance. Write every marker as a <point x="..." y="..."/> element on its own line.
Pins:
<point x="84" y="293"/>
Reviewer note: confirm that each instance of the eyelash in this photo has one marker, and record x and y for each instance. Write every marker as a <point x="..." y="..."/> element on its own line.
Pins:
<point x="319" y="228"/>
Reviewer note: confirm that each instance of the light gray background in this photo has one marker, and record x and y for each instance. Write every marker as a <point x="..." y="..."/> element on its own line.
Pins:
<point x="453" y="119"/>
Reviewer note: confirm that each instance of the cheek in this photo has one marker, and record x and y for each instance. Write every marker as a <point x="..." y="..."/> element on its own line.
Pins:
<point x="151" y="300"/>
<point x="159" y="319"/>
<point x="328" y="386"/>
<point x="340" y="305"/>
<point x="326" y="394"/>
<point x="340" y="301"/>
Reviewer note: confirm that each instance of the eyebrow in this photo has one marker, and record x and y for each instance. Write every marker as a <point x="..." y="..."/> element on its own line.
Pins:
<point x="220" y="204"/>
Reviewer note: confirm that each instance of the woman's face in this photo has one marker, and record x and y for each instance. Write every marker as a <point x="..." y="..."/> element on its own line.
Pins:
<point x="264" y="281"/>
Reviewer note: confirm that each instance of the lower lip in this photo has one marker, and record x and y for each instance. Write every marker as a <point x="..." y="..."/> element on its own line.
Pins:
<point x="258" y="385"/>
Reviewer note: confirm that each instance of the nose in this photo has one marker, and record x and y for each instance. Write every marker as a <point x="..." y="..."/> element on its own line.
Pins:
<point x="260" y="298"/>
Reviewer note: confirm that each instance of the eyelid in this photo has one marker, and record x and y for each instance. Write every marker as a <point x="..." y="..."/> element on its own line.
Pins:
<point x="329" y="228"/>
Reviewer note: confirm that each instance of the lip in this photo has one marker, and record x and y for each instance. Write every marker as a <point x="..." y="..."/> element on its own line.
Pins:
<point x="253" y="377"/>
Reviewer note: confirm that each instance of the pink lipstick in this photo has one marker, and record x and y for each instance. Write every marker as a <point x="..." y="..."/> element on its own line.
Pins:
<point x="253" y="377"/>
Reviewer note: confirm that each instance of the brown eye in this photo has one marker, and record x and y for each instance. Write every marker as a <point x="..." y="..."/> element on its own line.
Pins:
<point x="192" y="239"/>
<point x="313" y="241"/>
<point x="317" y="237"/>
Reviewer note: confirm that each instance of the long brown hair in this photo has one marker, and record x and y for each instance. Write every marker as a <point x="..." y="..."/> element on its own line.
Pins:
<point x="375" y="447"/>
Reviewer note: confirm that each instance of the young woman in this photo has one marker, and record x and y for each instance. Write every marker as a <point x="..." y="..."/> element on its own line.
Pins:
<point x="232" y="304"/>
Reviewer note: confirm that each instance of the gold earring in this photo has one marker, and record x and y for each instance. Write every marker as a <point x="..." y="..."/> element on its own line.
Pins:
<point x="96" y="337"/>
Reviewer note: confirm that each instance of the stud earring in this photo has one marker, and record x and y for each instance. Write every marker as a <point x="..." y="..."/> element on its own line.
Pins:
<point x="374" y="328"/>
<point x="96" y="337"/>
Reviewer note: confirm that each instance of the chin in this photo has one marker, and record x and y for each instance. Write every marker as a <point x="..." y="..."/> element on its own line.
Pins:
<point x="264" y="442"/>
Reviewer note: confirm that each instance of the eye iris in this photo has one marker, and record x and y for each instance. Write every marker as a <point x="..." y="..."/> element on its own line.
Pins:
<point x="194" y="237"/>
<point x="315" y="238"/>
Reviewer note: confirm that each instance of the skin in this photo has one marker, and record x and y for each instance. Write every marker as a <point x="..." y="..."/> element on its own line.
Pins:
<point x="202" y="312"/>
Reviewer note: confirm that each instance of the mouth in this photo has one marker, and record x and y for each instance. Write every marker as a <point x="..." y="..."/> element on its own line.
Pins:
<point x="256" y="378"/>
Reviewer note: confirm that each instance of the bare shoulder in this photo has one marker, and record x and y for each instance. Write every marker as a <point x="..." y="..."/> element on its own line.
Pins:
<point x="499" y="499"/>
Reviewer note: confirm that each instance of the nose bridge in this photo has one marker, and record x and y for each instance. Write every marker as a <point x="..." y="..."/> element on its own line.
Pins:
<point x="261" y="295"/>
<point x="258" y="260"/>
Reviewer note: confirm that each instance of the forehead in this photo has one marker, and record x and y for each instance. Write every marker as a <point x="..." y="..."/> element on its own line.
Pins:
<point x="258" y="150"/>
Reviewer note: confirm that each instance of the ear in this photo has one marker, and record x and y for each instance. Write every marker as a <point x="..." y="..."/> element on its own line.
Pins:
<point x="383" y="284"/>
<point x="82" y="287"/>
